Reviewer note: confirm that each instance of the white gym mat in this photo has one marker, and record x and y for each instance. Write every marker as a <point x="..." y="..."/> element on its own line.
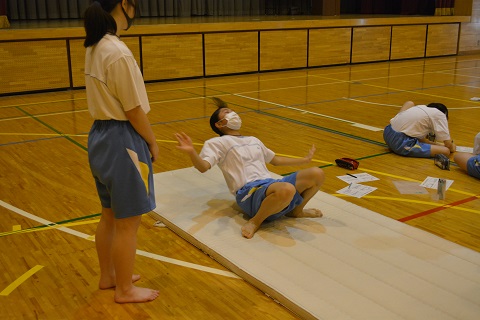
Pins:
<point x="350" y="264"/>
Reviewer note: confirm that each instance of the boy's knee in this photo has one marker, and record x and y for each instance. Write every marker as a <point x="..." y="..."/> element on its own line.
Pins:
<point x="319" y="175"/>
<point x="310" y="177"/>
<point x="286" y="191"/>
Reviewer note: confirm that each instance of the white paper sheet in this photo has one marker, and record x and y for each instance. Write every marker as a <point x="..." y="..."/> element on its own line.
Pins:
<point x="432" y="183"/>
<point x="356" y="190"/>
<point x="464" y="149"/>
<point x="357" y="177"/>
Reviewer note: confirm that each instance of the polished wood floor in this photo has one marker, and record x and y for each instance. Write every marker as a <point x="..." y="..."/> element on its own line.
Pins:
<point x="45" y="179"/>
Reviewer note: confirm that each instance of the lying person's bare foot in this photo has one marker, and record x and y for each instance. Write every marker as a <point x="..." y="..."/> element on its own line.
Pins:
<point x="249" y="229"/>
<point x="110" y="282"/>
<point x="135" y="295"/>
<point x="306" y="213"/>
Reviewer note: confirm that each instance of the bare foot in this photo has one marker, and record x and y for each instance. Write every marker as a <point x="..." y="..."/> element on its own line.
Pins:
<point x="135" y="295"/>
<point x="110" y="283"/>
<point x="307" y="213"/>
<point x="249" y="229"/>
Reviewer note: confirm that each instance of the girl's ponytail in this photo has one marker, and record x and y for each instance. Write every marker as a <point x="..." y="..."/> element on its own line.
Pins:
<point x="97" y="23"/>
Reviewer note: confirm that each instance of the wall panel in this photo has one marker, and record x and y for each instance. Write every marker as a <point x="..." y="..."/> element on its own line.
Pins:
<point x="329" y="46"/>
<point x="172" y="56"/>
<point x="442" y="39"/>
<point x="33" y="65"/>
<point x="233" y="52"/>
<point x="371" y="44"/>
<point x="283" y="49"/>
<point x="408" y="42"/>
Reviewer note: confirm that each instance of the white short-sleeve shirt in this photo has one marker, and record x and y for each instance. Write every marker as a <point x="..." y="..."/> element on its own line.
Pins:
<point x="113" y="80"/>
<point x="241" y="159"/>
<point x="419" y="121"/>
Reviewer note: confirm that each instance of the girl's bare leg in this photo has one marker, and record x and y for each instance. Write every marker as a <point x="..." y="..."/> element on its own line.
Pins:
<point x="103" y="242"/>
<point x="124" y="251"/>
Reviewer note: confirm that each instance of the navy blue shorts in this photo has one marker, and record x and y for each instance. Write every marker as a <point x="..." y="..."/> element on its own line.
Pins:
<point x="250" y="196"/>
<point x="121" y="165"/>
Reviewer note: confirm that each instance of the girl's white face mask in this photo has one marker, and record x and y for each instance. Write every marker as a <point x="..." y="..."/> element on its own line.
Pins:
<point x="233" y="121"/>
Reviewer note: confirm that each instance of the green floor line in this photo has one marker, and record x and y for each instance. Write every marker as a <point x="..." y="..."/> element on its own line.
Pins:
<point x="50" y="224"/>
<point x="53" y="129"/>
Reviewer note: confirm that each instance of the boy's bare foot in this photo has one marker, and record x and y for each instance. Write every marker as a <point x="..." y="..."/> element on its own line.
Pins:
<point x="306" y="213"/>
<point x="110" y="282"/>
<point x="135" y="295"/>
<point x="249" y="229"/>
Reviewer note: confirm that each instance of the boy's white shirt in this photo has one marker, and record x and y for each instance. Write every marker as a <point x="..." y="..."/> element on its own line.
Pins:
<point x="242" y="159"/>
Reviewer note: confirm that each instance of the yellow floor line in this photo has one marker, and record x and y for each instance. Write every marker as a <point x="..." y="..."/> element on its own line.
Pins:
<point x="174" y="141"/>
<point x="408" y="179"/>
<point x="295" y="157"/>
<point x="383" y="174"/>
<point x="20" y="280"/>
<point x="434" y="204"/>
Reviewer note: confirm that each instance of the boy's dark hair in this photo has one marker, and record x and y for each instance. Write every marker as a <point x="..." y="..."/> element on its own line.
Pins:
<point x="439" y="106"/>
<point x="214" y="117"/>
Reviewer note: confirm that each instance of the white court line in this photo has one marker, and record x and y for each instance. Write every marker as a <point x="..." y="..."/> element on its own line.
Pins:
<point x="257" y="80"/>
<point x="463" y="108"/>
<point x="183" y="99"/>
<point x="463" y="85"/>
<point x="457" y="74"/>
<point x="139" y="252"/>
<point x="355" y="124"/>
<point x="270" y="79"/>
<point x="391" y="105"/>
<point x="376" y="103"/>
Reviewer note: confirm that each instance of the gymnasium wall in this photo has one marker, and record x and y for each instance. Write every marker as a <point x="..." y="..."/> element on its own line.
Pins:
<point x="470" y="35"/>
<point x="52" y="59"/>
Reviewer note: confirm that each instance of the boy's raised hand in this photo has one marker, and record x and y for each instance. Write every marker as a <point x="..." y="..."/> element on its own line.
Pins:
<point x="184" y="142"/>
<point x="309" y="157"/>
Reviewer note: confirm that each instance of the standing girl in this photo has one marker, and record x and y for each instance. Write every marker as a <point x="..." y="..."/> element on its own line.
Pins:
<point x="121" y="145"/>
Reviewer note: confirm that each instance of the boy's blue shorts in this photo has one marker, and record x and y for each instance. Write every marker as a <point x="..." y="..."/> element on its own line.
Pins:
<point x="404" y="145"/>
<point x="251" y="196"/>
<point x="473" y="166"/>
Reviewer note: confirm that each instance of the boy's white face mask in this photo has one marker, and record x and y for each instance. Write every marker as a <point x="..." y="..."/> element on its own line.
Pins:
<point x="233" y="121"/>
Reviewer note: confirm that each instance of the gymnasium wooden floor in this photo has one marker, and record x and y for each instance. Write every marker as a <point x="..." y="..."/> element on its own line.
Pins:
<point x="49" y="207"/>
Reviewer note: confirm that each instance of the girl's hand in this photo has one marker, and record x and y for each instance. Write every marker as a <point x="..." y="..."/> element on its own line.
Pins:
<point x="154" y="151"/>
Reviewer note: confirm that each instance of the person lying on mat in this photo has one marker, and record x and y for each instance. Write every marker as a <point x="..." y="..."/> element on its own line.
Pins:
<point x="242" y="160"/>
<point x="470" y="162"/>
<point x="413" y="132"/>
